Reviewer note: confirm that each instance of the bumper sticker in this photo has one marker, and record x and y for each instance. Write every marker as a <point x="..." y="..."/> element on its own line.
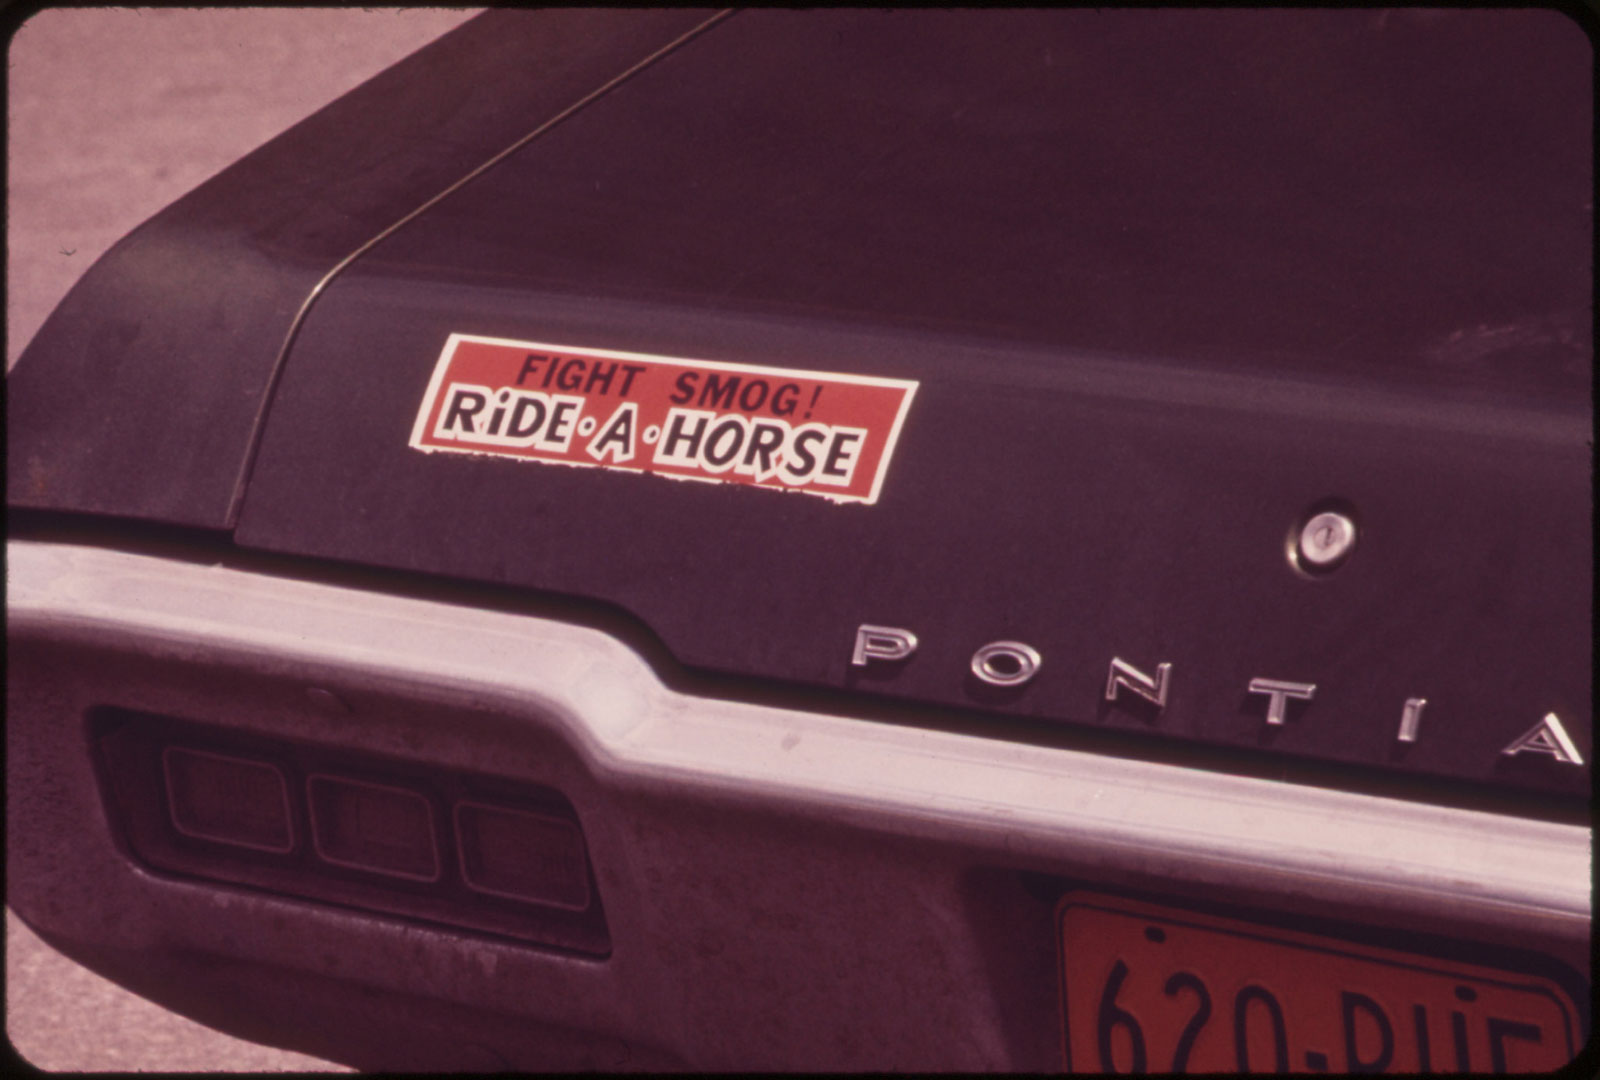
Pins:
<point x="812" y="431"/>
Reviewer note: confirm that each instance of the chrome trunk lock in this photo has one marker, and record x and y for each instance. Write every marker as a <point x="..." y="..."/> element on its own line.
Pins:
<point x="1324" y="542"/>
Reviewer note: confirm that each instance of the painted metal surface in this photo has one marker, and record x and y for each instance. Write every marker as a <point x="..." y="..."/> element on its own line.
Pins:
<point x="1121" y="440"/>
<point x="1129" y="405"/>
<point x="160" y="362"/>
<point x="1105" y="381"/>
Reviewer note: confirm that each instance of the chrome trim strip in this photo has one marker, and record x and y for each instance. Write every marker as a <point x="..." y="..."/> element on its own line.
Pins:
<point x="1034" y="803"/>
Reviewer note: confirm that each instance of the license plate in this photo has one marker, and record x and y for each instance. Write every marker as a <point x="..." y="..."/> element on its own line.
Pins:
<point x="1146" y="988"/>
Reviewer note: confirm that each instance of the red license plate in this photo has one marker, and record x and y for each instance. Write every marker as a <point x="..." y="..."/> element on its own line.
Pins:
<point x="1147" y="988"/>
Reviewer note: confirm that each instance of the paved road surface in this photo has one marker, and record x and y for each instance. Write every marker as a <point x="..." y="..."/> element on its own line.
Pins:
<point x="113" y="114"/>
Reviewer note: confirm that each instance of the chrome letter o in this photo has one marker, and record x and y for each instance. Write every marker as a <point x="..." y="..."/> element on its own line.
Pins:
<point x="1006" y="663"/>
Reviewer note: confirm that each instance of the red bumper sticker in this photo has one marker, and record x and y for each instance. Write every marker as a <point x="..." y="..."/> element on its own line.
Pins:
<point x="812" y="431"/>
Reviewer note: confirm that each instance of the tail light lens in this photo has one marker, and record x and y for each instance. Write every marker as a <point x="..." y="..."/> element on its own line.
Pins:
<point x="387" y="830"/>
<point x="398" y="838"/>
<point x="228" y="799"/>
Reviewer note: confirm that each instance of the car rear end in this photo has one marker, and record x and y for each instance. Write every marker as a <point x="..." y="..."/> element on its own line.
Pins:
<point x="1080" y="555"/>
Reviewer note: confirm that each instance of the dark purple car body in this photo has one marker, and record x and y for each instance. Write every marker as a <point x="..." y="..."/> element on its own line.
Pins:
<point x="450" y="760"/>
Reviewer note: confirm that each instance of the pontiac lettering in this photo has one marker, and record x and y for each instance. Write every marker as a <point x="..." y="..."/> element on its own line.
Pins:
<point x="1014" y="663"/>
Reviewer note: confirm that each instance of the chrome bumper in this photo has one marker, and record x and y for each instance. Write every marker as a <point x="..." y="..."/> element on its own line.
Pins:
<point x="782" y="888"/>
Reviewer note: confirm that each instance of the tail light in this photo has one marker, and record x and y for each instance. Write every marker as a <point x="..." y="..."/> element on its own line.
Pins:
<point x="397" y="838"/>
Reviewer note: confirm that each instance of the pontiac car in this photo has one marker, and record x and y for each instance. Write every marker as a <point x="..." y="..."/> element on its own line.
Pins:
<point x="839" y="539"/>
